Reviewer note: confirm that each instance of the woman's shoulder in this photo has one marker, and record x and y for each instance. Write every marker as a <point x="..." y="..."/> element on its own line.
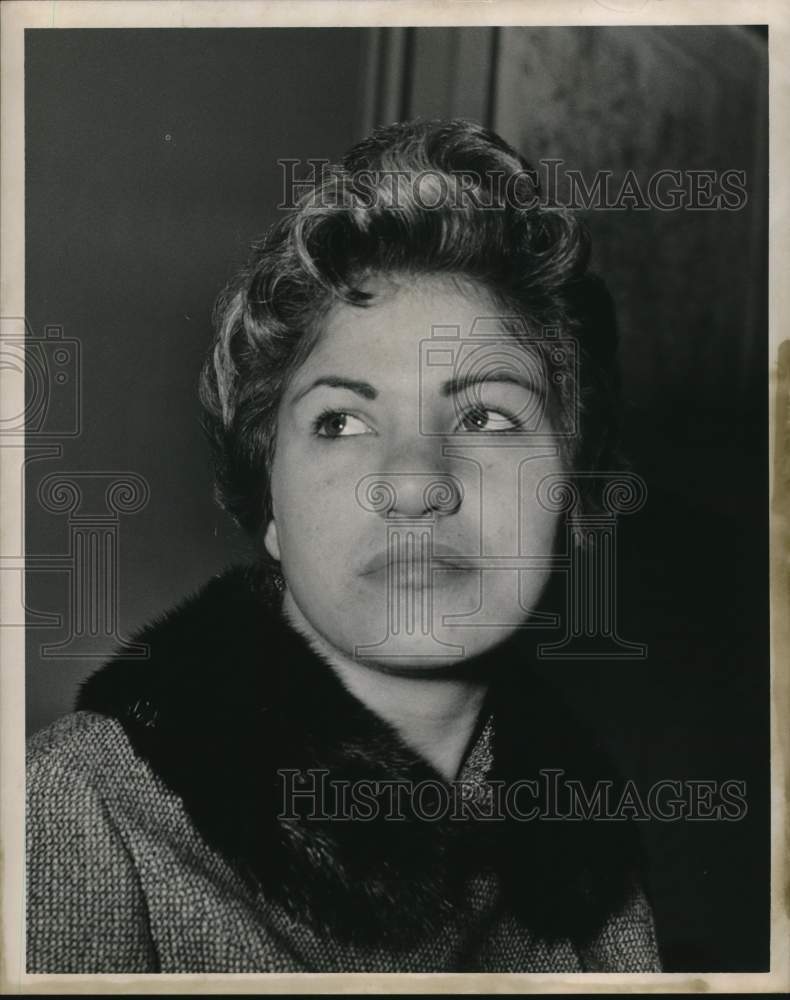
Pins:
<point x="627" y="941"/>
<point x="80" y="758"/>
<point x="80" y="742"/>
<point x="80" y="872"/>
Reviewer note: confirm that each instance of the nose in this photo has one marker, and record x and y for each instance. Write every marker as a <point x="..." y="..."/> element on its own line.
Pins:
<point x="415" y="482"/>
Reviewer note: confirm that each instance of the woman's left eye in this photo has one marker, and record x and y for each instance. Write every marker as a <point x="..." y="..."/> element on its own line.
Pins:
<point x="483" y="419"/>
<point x="336" y="423"/>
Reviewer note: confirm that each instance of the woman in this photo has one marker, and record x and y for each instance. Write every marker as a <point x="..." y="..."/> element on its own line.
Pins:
<point x="338" y="758"/>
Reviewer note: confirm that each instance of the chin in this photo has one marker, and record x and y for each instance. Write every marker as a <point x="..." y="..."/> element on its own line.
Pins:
<point x="398" y="640"/>
<point x="476" y="655"/>
<point x="421" y="650"/>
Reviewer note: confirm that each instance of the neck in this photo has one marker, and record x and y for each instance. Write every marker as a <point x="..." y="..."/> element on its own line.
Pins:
<point x="435" y="712"/>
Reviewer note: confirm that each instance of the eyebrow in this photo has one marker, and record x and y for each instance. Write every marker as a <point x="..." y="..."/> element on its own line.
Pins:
<point x="451" y="387"/>
<point x="364" y="389"/>
<point x="454" y="386"/>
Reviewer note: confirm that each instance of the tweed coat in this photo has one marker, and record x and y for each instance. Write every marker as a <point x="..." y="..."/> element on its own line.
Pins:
<point x="192" y="815"/>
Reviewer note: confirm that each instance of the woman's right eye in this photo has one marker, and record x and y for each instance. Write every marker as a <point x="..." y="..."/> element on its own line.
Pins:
<point x="336" y="423"/>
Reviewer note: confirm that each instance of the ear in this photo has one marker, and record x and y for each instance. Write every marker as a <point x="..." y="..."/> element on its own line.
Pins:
<point x="271" y="542"/>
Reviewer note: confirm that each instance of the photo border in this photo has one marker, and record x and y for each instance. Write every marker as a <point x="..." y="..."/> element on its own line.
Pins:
<point x="17" y="15"/>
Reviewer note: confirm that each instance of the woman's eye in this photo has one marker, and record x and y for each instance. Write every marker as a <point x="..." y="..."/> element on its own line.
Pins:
<point x="335" y="423"/>
<point x="482" y="419"/>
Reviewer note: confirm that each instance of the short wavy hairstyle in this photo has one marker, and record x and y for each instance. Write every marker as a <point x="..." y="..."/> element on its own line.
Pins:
<point x="424" y="198"/>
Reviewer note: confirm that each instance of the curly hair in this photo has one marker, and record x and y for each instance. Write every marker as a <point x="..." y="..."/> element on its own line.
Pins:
<point x="436" y="198"/>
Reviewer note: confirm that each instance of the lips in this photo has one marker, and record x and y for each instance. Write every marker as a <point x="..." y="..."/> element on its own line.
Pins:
<point x="411" y="559"/>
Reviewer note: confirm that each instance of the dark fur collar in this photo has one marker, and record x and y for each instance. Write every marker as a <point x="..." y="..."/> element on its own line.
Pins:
<point x="230" y="695"/>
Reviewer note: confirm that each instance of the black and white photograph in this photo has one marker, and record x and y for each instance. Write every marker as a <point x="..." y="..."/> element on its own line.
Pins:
<point x="393" y="432"/>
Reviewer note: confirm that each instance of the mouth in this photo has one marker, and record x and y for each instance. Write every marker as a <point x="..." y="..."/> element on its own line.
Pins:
<point x="414" y="560"/>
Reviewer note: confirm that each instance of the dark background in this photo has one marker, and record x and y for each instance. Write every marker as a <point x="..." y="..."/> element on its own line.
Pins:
<point x="151" y="163"/>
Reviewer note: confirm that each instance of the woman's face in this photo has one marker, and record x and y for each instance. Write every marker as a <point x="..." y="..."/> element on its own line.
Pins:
<point x="395" y="449"/>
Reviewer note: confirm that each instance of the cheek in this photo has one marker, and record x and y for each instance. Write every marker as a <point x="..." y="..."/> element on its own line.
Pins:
<point x="512" y="516"/>
<point x="544" y="526"/>
<point x="312" y="508"/>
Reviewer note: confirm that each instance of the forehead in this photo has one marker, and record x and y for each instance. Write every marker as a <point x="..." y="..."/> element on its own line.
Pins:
<point x="403" y="321"/>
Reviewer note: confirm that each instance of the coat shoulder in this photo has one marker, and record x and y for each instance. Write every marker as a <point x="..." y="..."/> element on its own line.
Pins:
<point x="627" y="942"/>
<point x="79" y="767"/>
<point x="80" y="873"/>
<point x="77" y="743"/>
